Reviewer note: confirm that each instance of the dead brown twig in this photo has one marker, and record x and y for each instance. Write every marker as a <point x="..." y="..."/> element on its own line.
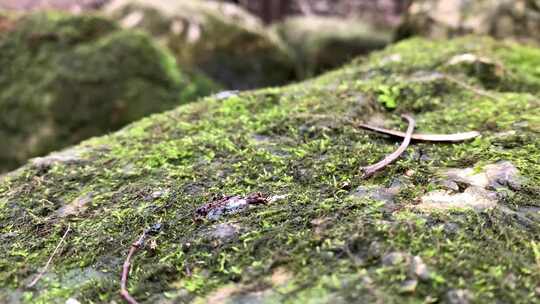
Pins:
<point x="456" y="137"/>
<point x="372" y="169"/>
<point x="42" y="272"/>
<point x="127" y="265"/>
<point x="152" y="230"/>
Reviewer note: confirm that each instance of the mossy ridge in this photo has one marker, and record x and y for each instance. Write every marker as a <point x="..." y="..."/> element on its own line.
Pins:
<point x="294" y="141"/>
<point x="104" y="77"/>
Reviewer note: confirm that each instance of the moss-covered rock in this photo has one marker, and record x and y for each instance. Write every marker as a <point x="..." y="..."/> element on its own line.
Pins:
<point x="324" y="43"/>
<point x="519" y="19"/>
<point x="322" y="234"/>
<point x="221" y="39"/>
<point x="66" y="78"/>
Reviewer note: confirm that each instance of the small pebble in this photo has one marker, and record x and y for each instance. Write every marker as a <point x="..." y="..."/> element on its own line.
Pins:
<point x="72" y="301"/>
<point x="419" y="269"/>
<point x="409" y="286"/>
<point x="394" y="258"/>
<point x="458" y="296"/>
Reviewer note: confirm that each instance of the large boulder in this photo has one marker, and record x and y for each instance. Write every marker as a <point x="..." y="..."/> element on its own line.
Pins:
<point x="324" y="43"/>
<point x="65" y="78"/>
<point x="221" y="39"/>
<point x="447" y="222"/>
<point x="517" y="19"/>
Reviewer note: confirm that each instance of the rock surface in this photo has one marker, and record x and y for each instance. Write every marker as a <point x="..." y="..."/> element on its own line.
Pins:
<point x="324" y="43"/>
<point x="319" y="242"/>
<point x="517" y="19"/>
<point x="221" y="39"/>
<point x="66" y="78"/>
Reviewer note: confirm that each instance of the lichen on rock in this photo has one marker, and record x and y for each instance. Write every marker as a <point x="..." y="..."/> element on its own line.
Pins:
<point x="320" y="242"/>
<point x="66" y="78"/>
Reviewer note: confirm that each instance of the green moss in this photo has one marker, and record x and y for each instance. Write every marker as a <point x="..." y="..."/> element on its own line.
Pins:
<point x="66" y="78"/>
<point x="297" y="143"/>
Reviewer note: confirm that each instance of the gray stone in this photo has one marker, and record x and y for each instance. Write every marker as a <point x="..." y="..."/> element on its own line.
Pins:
<point x="158" y="193"/>
<point x="503" y="174"/>
<point x="450" y="185"/>
<point x="438" y="19"/>
<point x="375" y="249"/>
<point x="473" y="197"/>
<point x="498" y="175"/>
<point x="72" y="301"/>
<point x="68" y="156"/>
<point x="77" y="206"/>
<point x="225" y="231"/>
<point x="479" y="193"/>
<point x="450" y="228"/>
<point x="458" y="296"/>
<point x="382" y="194"/>
<point x="394" y="258"/>
<point x="226" y="94"/>
<point x="408" y="286"/>
<point x="419" y="269"/>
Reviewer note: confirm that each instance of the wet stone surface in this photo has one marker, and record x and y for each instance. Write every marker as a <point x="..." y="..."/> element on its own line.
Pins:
<point x="226" y="94"/>
<point x="229" y="205"/>
<point x="470" y="188"/>
<point x="458" y="296"/>
<point x="224" y="232"/>
<point x="77" y="206"/>
<point x="68" y="156"/>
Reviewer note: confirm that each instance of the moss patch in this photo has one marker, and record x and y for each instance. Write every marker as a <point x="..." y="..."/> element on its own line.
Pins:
<point x="66" y="78"/>
<point x="297" y="145"/>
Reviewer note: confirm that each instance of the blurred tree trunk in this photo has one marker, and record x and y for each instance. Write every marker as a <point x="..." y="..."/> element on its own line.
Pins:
<point x="268" y="10"/>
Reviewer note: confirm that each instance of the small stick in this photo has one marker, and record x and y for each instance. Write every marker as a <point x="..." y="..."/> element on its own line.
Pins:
<point x="372" y="169"/>
<point x="42" y="272"/>
<point x="456" y="137"/>
<point x="125" y="269"/>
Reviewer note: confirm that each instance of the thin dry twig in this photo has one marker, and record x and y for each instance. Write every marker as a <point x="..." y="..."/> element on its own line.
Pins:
<point x="127" y="266"/>
<point x="372" y="169"/>
<point x="456" y="137"/>
<point x="42" y="272"/>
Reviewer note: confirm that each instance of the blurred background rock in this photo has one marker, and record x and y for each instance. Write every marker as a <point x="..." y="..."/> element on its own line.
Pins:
<point x="65" y="78"/>
<point x="516" y="19"/>
<point x="221" y="40"/>
<point x="228" y="40"/>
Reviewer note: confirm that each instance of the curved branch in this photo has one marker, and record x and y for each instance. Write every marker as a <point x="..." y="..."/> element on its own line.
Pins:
<point x="456" y="137"/>
<point x="372" y="169"/>
<point x="125" y="269"/>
